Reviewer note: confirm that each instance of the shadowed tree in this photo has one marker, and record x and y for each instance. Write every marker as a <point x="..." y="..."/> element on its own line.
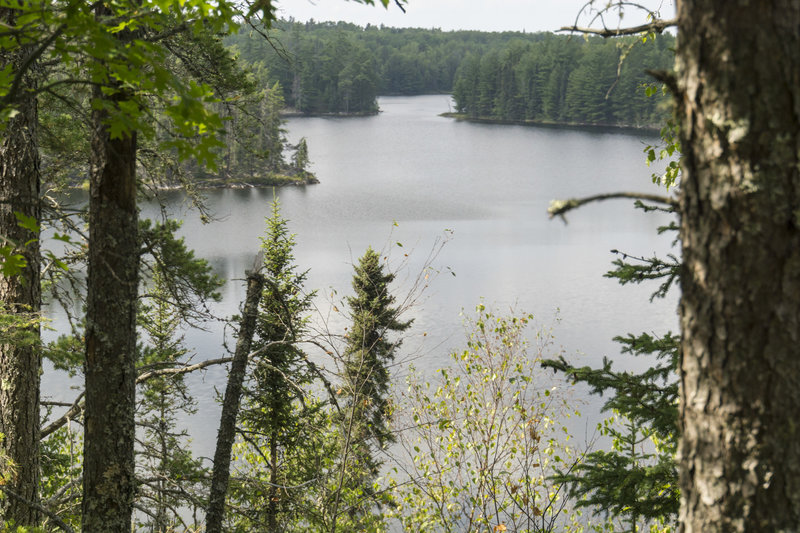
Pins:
<point x="20" y="294"/>
<point x="738" y="90"/>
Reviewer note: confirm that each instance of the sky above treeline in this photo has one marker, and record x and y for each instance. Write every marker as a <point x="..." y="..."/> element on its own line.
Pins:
<point x="484" y="15"/>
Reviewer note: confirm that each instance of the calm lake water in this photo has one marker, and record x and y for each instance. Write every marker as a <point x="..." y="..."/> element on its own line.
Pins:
<point x="411" y="177"/>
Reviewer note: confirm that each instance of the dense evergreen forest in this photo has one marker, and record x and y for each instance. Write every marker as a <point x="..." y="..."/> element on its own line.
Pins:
<point x="342" y="68"/>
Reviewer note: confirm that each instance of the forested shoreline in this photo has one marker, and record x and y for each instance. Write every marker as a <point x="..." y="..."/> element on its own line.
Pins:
<point x="261" y="77"/>
<point x="311" y="415"/>
<point x="326" y="68"/>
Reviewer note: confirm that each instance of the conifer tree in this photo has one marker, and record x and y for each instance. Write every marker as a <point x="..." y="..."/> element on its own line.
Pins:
<point x="272" y="131"/>
<point x="20" y="291"/>
<point x="365" y="418"/>
<point x="300" y="157"/>
<point x="169" y="477"/>
<point x="279" y="416"/>
<point x="637" y="479"/>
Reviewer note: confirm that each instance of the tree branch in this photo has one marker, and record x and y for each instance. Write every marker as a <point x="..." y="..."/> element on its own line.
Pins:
<point x="667" y="78"/>
<point x="22" y="71"/>
<point x="181" y="370"/>
<point x="657" y="26"/>
<point x="560" y="207"/>
<point x="77" y="407"/>
<point x="33" y="505"/>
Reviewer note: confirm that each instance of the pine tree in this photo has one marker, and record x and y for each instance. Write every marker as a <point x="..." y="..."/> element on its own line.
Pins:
<point x="300" y="157"/>
<point x="272" y="130"/>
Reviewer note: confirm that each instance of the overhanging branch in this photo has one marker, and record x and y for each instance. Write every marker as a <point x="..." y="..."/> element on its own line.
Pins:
<point x="657" y="26"/>
<point x="181" y="369"/>
<point x="561" y="207"/>
<point x="77" y="406"/>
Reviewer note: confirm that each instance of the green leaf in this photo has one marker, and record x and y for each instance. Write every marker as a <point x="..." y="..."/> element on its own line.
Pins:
<point x="27" y="222"/>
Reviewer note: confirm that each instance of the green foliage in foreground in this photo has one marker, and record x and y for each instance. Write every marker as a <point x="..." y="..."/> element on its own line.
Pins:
<point x="486" y="437"/>
<point x="364" y="424"/>
<point x="636" y="481"/>
<point x="281" y="418"/>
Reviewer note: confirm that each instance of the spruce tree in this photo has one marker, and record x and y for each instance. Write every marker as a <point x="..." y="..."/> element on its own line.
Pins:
<point x="169" y="477"/>
<point x="636" y="480"/>
<point x="300" y="157"/>
<point x="366" y="414"/>
<point x="280" y="412"/>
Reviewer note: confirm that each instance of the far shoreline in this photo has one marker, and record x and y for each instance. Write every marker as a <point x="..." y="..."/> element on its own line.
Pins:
<point x="610" y="128"/>
<point x="216" y="184"/>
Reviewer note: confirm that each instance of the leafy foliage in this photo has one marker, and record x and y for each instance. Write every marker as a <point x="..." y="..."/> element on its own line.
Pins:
<point x="668" y="150"/>
<point x="486" y="437"/>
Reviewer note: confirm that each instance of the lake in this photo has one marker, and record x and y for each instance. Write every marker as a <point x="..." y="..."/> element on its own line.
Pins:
<point x="411" y="177"/>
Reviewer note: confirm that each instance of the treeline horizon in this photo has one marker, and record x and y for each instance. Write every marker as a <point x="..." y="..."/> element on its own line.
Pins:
<point x="341" y="68"/>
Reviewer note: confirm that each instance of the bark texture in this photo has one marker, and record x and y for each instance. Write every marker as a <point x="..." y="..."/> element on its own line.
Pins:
<point x="20" y="356"/>
<point x="739" y="106"/>
<point x="230" y="405"/>
<point x="108" y="464"/>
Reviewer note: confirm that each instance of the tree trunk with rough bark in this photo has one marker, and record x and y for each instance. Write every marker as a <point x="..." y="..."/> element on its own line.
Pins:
<point x="20" y="356"/>
<point x="112" y="286"/>
<point x="230" y="406"/>
<point x="739" y="106"/>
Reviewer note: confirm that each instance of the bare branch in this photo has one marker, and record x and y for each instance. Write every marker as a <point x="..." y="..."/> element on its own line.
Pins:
<point x="560" y="207"/>
<point x="182" y="369"/>
<point x="72" y="412"/>
<point x="325" y="381"/>
<point x="33" y="505"/>
<point x="657" y="26"/>
<point x="77" y="405"/>
<point x="55" y="404"/>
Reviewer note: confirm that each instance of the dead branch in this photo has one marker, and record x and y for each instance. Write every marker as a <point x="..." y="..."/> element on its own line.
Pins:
<point x="181" y="370"/>
<point x="657" y="26"/>
<point x="33" y="505"/>
<point x="560" y="207"/>
<point x="230" y="405"/>
<point x="72" y="412"/>
<point x="77" y="406"/>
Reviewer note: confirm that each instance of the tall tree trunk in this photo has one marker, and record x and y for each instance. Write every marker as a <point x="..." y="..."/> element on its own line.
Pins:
<point x="108" y="461"/>
<point x="739" y="105"/>
<point x="20" y="358"/>
<point x="230" y="405"/>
